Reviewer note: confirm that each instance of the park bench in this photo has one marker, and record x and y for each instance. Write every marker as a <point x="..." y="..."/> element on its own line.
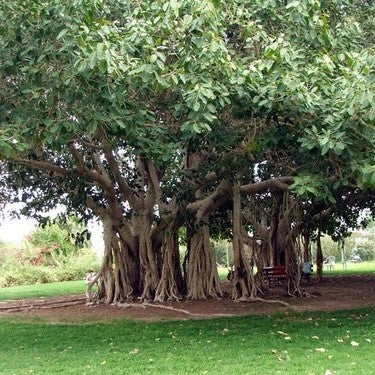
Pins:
<point x="274" y="275"/>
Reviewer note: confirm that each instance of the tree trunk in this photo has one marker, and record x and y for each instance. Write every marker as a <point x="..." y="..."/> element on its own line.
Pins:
<point x="319" y="259"/>
<point x="286" y="240"/>
<point x="261" y="260"/>
<point x="171" y="283"/>
<point x="277" y="252"/>
<point x="306" y="246"/>
<point x="243" y="278"/>
<point x="202" y="278"/>
<point x="149" y="269"/>
<point x="117" y="281"/>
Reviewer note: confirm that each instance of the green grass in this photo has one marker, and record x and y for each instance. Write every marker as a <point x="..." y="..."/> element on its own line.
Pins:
<point x="42" y="290"/>
<point x="362" y="268"/>
<point x="243" y="345"/>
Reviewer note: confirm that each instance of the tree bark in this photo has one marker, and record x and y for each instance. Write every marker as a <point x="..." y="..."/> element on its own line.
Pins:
<point x="149" y="269"/>
<point x="319" y="259"/>
<point x="118" y="281"/>
<point x="306" y="246"/>
<point x="170" y="286"/>
<point x="243" y="278"/>
<point x="286" y="239"/>
<point x="202" y="278"/>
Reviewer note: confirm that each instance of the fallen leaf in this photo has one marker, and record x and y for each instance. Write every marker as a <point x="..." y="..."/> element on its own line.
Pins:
<point x="354" y="343"/>
<point x="340" y="340"/>
<point x="287" y="338"/>
<point x="282" y="333"/>
<point x="315" y="337"/>
<point x="104" y="362"/>
<point x="320" y="350"/>
<point x="368" y="340"/>
<point x="274" y="351"/>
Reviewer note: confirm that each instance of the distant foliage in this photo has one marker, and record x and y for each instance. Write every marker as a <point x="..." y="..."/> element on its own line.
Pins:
<point x="55" y="252"/>
<point x="18" y="271"/>
<point x="360" y="243"/>
<point x="223" y="251"/>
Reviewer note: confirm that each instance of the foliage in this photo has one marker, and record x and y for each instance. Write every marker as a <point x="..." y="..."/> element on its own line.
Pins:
<point x="61" y="237"/>
<point x="360" y="242"/>
<point x="220" y="346"/>
<point x="223" y="252"/>
<point x="16" y="272"/>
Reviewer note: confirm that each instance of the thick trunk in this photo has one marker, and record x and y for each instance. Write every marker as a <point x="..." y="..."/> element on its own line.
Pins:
<point x="319" y="259"/>
<point x="149" y="268"/>
<point x="277" y="252"/>
<point x="261" y="260"/>
<point x="202" y="278"/>
<point x="243" y="278"/>
<point x="171" y="284"/>
<point x="306" y="246"/>
<point x="117" y="281"/>
<point x="286" y="240"/>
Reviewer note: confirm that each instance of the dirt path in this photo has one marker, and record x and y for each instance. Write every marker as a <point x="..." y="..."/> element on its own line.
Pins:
<point x="333" y="294"/>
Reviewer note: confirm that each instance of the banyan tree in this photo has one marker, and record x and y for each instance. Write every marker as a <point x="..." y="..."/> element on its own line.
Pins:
<point x="154" y="116"/>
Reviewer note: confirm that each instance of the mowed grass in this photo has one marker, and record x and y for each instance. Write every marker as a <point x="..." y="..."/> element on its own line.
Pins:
<point x="42" y="290"/>
<point x="310" y="343"/>
<point x="362" y="268"/>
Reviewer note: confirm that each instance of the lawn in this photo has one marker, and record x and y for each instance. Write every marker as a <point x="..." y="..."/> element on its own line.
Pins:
<point x="362" y="268"/>
<point x="351" y="269"/>
<point x="42" y="290"/>
<point x="311" y="343"/>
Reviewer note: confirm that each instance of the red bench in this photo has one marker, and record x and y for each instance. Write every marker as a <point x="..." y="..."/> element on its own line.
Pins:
<point x="275" y="275"/>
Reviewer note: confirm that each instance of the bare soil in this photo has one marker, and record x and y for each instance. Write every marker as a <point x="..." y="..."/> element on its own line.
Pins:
<point x="335" y="293"/>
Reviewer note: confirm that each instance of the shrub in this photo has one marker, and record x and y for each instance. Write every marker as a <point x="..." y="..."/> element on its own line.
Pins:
<point x="13" y="272"/>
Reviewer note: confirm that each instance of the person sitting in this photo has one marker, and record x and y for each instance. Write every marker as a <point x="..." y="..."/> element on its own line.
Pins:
<point x="307" y="268"/>
<point x="90" y="277"/>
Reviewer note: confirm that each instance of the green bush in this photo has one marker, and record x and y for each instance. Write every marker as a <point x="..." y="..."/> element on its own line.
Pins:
<point x="13" y="272"/>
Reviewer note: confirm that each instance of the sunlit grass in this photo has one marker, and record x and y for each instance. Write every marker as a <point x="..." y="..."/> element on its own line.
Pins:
<point x="309" y="343"/>
<point x="42" y="290"/>
<point x="351" y="269"/>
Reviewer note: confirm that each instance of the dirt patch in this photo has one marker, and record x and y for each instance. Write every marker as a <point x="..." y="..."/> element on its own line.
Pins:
<point x="335" y="293"/>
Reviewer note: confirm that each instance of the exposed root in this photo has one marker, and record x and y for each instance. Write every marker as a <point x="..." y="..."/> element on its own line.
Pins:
<point x="258" y="299"/>
<point x="43" y="305"/>
<point x="186" y="312"/>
